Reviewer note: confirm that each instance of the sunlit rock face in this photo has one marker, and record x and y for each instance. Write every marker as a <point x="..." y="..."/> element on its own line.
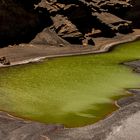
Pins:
<point x="79" y="21"/>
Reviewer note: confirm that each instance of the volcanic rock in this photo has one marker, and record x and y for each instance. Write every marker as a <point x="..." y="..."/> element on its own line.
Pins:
<point x="4" y="61"/>
<point x="48" y="36"/>
<point x="71" y="20"/>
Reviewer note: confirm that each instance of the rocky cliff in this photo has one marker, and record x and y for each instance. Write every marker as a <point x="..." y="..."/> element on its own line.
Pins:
<point x="73" y="21"/>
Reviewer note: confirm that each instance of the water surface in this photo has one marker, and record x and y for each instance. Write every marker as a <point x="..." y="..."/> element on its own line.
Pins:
<point x="73" y="91"/>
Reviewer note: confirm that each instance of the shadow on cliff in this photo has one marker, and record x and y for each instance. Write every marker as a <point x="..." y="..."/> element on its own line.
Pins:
<point x="20" y="24"/>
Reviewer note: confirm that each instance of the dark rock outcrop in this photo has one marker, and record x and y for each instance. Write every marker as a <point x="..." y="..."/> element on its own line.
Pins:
<point x="16" y="24"/>
<point x="26" y="3"/>
<point x="134" y="13"/>
<point x="4" y="61"/>
<point x="75" y="21"/>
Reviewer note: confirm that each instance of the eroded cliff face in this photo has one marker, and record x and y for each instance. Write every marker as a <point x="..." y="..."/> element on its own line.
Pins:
<point x="80" y="21"/>
<point x="75" y="21"/>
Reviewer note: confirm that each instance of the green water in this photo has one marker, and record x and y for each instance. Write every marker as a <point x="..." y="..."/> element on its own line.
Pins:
<point x="73" y="91"/>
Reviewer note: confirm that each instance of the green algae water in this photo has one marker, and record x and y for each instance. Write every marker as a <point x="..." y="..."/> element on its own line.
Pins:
<point x="73" y="91"/>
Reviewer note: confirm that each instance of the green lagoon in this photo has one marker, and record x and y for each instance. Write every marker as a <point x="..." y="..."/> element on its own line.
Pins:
<point x="74" y="91"/>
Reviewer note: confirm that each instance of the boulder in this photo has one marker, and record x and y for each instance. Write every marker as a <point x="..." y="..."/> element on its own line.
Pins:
<point x="4" y="61"/>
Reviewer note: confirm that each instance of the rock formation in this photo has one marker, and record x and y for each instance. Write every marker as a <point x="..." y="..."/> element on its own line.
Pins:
<point x="75" y="21"/>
